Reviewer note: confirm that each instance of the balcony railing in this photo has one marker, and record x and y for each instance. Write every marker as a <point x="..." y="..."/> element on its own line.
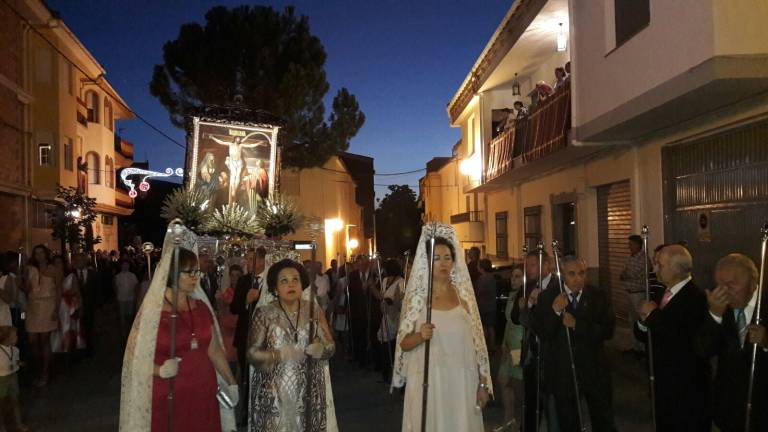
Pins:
<point x="472" y="216"/>
<point x="543" y="132"/>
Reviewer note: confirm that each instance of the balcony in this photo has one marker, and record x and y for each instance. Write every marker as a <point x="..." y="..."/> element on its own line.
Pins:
<point x="543" y="132"/>
<point x="82" y="113"/>
<point x="469" y="226"/>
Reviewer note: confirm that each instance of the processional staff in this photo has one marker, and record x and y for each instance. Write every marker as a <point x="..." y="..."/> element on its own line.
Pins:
<point x="425" y="382"/>
<point x="312" y="328"/>
<point x="556" y="253"/>
<point x="539" y="354"/>
<point x="148" y="248"/>
<point x="384" y="309"/>
<point x="525" y="330"/>
<point x="756" y="320"/>
<point x="174" y="316"/>
<point x="651" y="373"/>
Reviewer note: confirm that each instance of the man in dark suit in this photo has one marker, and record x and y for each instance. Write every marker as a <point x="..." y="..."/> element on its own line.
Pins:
<point x="682" y="375"/>
<point x="728" y="335"/>
<point x="359" y="284"/>
<point x="522" y="314"/>
<point x="586" y="313"/>
<point x="209" y="280"/>
<point x="244" y="300"/>
<point x="89" y="282"/>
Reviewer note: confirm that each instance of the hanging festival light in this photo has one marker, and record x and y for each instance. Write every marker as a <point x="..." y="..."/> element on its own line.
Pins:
<point x="144" y="175"/>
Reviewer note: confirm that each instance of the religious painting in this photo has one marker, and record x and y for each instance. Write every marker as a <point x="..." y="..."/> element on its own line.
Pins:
<point x="233" y="163"/>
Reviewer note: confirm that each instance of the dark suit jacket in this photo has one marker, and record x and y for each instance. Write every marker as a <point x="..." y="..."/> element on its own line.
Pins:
<point x="358" y="299"/>
<point x="732" y="376"/>
<point x="210" y="284"/>
<point x="243" y="311"/>
<point x="594" y="325"/>
<point x="682" y="374"/>
<point x="524" y="317"/>
<point x="91" y="291"/>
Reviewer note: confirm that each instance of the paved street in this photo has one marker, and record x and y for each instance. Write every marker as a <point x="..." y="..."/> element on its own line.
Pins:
<point x="87" y="398"/>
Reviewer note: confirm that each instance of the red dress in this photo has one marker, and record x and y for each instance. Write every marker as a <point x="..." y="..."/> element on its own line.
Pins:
<point x="195" y="407"/>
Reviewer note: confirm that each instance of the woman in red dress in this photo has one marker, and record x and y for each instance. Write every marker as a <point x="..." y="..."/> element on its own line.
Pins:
<point x="199" y="356"/>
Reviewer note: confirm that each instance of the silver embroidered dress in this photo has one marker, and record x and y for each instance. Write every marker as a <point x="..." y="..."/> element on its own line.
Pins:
<point x="278" y="388"/>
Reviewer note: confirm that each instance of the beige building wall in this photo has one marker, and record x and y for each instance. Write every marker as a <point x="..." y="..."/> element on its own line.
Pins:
<point x="59" y="85"/>
<point x="325" y="195"/>
<point x="608" y="76"/>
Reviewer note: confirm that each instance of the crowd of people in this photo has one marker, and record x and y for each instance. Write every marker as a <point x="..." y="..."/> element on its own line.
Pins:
<point x="552" y="364"/>
<point x="250" y="342"/>
<point x="48" y="308"/>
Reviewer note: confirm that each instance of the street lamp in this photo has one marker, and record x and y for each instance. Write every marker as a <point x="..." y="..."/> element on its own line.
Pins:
<point x="353" y="244"/>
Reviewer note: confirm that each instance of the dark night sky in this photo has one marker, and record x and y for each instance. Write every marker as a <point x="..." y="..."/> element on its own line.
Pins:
<point x="403" y="60"/>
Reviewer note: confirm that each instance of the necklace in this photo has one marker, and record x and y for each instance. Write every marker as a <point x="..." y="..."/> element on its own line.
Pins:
<point x="294" y="328"/>
<point x="193" y="343"/>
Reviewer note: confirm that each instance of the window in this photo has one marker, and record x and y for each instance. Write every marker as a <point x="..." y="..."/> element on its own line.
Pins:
<point x="107" y="220"/>
<point x="109" y="174"/>
<point x="70" y="79"/>
<point x="532" y="226"/>
<point x="501" y="235"/>
<point x="42" y="214"/>
<point x="92" y="104"/>
<point x="108" y="118"/>
<point x="94" y="168"/>
<point x="45" y="155"/>
<point x="631" y="16"/>
<point x="68" y="153"/>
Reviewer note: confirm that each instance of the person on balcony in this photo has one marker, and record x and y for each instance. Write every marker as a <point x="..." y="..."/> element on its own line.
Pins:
<point x="522" y="111"/>
<point x="543" y="91"/>
<point x="560" y="78"/>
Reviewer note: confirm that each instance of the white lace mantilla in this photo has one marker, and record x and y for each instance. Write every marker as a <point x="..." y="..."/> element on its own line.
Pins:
<point x="139" y="358"/>
<point x="416" y="297"/>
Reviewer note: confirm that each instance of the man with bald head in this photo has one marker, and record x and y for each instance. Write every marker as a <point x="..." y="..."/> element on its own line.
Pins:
<point x="728" y="335"/>
<point x="682" y="374"/>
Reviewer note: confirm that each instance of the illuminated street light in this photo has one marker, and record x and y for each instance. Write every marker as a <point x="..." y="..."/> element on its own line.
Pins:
<point x="471" y="167"/>
<point x="334" y="225"/>
<point x="353" y="244"/>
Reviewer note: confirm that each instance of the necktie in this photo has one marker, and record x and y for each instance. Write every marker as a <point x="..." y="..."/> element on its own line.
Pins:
<point x="665" y="299"/>
<point x="574" y="302"/>
<point x="741" y="324"/>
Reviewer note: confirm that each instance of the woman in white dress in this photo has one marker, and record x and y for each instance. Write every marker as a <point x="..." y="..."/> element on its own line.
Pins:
<point x="459" y="372"/>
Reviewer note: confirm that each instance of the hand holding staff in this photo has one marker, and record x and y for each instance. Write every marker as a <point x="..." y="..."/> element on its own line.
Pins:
<point x="556" y="253"/>
<point x="425" y="383"/>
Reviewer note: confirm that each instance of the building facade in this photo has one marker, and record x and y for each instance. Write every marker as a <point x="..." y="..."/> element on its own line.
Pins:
<point x="66" y="122"/>
<point x="335" y="200"/>
<point x="662" y="122"/>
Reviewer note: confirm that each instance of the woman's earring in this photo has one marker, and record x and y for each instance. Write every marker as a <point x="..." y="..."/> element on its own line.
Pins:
<point x="452" y="277"/>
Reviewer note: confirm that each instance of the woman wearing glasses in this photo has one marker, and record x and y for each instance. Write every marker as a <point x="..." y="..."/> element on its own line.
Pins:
<point x="199" y="366"/>
<point x="285" y="356"/>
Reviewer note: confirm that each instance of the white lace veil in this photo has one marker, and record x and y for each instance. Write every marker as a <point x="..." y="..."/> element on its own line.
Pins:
<point x="139" y="358"/>
<point x="416" y="299"/>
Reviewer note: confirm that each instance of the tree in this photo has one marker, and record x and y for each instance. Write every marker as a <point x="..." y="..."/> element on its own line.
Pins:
<point x="274" y="62"/>
<point x="73" y="220"/>
<point x="398" y="222"/>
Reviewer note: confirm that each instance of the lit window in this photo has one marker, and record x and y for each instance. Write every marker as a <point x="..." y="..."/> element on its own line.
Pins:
<point x="45" y="155"/>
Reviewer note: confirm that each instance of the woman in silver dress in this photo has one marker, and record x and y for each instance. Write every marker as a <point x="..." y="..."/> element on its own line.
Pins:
<point x="286" y="358"/>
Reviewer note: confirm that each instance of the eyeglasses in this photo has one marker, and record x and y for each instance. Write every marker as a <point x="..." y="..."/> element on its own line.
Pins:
<point x="192" y="273"/>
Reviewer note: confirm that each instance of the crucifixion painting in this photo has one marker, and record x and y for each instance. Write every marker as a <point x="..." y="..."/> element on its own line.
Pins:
<point x="234" y="161"/>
